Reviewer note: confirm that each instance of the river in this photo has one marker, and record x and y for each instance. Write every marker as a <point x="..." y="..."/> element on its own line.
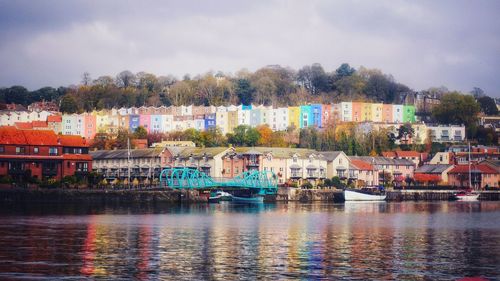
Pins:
<point x="351" y="241"/>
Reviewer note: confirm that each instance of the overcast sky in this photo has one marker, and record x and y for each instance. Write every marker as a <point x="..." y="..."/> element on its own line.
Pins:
<point x="421" y="43"/>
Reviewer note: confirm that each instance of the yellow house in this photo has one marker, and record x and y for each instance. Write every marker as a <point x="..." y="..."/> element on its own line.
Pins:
<point x="366" y="112"/>
<point x="232" y="120"/>
<point x="294" y="116"/>
<point x="377" y="112"/>
<point x="101" y="120"/>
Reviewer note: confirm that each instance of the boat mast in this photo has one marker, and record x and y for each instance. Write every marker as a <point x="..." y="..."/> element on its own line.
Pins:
<point x="128" y="161"/>
<point x="470" y="172"/>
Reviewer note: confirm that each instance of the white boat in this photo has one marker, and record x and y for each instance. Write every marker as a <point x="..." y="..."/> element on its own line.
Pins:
<point x="466" y="196"/>
<point x="252" y="199"/>
<point x="363" y="195"/>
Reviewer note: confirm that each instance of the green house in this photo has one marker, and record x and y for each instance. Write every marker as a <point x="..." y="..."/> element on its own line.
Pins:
<point x="409" y="114"/>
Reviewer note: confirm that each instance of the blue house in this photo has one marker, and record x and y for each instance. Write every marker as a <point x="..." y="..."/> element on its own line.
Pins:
<point x="316" y="115"/>
<point x="305" y="116"/>
<point x="210" y="121"/>
<point x="134" y="122"/>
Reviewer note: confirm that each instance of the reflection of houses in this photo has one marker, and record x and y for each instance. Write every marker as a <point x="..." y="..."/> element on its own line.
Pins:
<point x="482" y="175"/>
<point x="113" y="164"/>
<point x="433" y="174"/>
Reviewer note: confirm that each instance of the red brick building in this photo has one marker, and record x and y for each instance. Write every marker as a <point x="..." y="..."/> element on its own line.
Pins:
<point x="42" y="154"/>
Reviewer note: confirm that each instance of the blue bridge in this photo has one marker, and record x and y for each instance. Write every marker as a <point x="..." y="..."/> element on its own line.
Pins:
<point x="259" y="182"/>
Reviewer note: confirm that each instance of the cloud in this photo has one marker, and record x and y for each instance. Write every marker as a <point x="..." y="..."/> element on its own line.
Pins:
<point x="422" y="44"/>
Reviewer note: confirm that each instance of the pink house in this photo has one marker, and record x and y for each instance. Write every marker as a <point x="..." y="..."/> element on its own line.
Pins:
<point x="387" y="113"/>
<point x="357" y="108"/>
<point x="90" y="125"/>
<point x="145" y="121"/>
<point x="364" y="173"/>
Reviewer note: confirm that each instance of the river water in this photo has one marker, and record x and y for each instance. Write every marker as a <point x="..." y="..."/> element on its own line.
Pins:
<point x="352" y="241"/>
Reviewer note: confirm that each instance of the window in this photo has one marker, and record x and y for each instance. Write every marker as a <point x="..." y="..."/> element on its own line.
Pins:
<point x="82" y="167"/>
<point x="2" y="149"/>
<point x="53" y="151"/>
<point x="67" y="164"/>
<point x="35" y="150"/>
<point x="20" y="150"/>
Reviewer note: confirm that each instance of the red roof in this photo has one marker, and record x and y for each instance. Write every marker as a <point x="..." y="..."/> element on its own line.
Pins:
<point x="54" y="118"/>
<point x="40" y="124"/>
<point x="427" y="177"/>
<point x="482" y="168"/>
<point x="12" y="135"/>
<point x="389" y="154"/>
<point x="24" y="125"/>
<point x="362" y="165"/>
<point x="74" y="141"/>
<point x="401" y="153"/>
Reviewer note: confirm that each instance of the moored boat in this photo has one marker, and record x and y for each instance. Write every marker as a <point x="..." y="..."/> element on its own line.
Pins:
<point x="224" y="196"/>
<point x="214" y="197"/>
<point x="364" y="194"/>
<point x="466" y="196"/>
<point x="251" y="199"/>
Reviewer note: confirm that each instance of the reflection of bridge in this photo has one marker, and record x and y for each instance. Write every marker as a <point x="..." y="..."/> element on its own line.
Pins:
<point x="262" y="182"/>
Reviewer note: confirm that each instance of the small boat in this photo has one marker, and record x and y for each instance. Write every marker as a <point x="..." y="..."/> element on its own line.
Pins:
<point x="224" y="196"/>
<point x="214" y="197"/>
<point x="252" y="199"/>
<point x="466" y="195"/>
<point x="364" y="194"/>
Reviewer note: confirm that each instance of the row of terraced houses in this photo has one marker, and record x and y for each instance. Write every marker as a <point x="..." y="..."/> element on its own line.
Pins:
<point x="226" y="118"/>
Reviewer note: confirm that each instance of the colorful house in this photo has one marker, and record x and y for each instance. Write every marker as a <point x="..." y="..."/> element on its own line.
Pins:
<point x="409" y="114"/>
<point x="387" y="114"/>
<point x="357" y="111"/>
<point x="221" y="119"/>
<point x="294" y="116"/>
<point x="316" y="115"/>
<point x="210" y="121"/>
<point x="145" y="121"/>
<point x="377" y="112"/>
<point x="326" y="114"/>
<point x="305" y="116"/>
<point x="90" y="128"/>
<point x="232" y="120"/>
<point x="156" y="124"/>
<point x="255" y="117"/>
<point x="346" y="111"/>
<point x="366" y="112"/>
<point x="134" y="120"/>
<point x="397" y="113"/>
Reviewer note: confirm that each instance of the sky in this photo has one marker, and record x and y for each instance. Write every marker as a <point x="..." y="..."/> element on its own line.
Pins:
<point x="423" y="44"/>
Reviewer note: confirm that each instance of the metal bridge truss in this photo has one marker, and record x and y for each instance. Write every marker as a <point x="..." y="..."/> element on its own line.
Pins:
<point x="263" y="182"/>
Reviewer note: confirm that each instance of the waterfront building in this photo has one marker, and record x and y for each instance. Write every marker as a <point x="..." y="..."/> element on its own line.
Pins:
<point x="362" y="173"/>
<point x="42" y="154"/>
<point x="144" y="166"/>
<point x="482" y="176"/>
<point x="433" y="173"/>
<point x="416" y="157"/>
<point x="205" y="159"/>
<point x="337" y="164"/>
<point x="396" y="169"/>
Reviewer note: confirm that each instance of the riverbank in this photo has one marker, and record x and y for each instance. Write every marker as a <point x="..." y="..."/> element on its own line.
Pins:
<point x="285" y="194"/>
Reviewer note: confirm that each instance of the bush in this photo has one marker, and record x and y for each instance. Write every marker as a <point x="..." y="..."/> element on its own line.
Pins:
<point x="6" y="179"/>
<point x="306" y="185"/>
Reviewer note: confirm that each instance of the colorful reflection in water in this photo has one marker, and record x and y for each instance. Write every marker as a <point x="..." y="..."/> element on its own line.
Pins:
<point x="356" y="241"/>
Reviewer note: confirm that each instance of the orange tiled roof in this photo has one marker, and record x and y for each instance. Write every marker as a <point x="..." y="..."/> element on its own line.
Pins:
<point x="483" y="168"/>
<point x="74" y="141"/>
<point x="24" y="125"/>
<point x="362" y="165"/>
<point x="40" y="124"/>
<point x="54" y="118"/>
<point x="389" y="154"/>
<point x="408" y="153"/>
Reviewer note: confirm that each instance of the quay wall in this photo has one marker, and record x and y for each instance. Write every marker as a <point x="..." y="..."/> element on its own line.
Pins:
<point x="100" y="196"/>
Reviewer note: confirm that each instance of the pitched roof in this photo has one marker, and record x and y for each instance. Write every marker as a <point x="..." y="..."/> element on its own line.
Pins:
<point x="480" y="168"/>
<point x="362" y="165"/>
<point x="123" y="153"/>
<point x="73" y="141"/>
<point x="331" y="155"/>
<point x="54" y="118"/>
<point x="39" y="124"/>
<point x="24" y="125"/>
<point x="433" y="168"/>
